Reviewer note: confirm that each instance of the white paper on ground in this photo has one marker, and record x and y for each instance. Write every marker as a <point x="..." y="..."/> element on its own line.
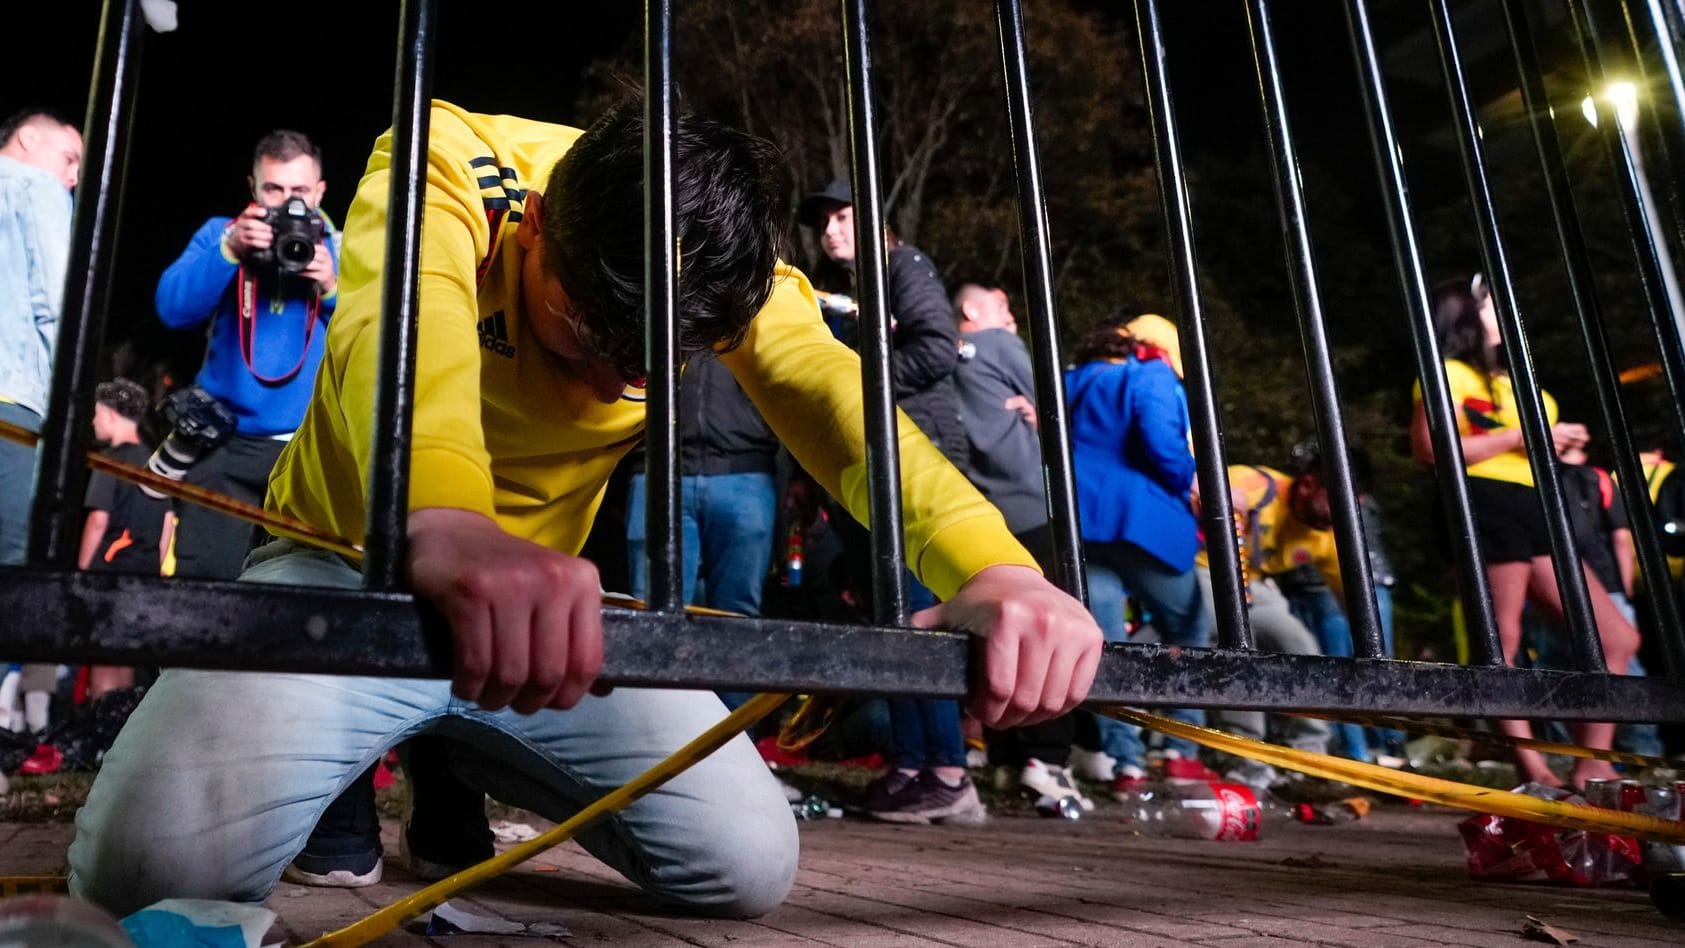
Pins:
<point x="507" y="832"/>
<point x="449" y="920"/>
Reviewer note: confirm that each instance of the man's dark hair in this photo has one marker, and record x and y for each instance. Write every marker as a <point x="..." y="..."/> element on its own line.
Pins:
<point x="124" y="397"/>
<point x="728" y="196"/>
<point x="284" y="144"/>
<point x="22" y="117"/>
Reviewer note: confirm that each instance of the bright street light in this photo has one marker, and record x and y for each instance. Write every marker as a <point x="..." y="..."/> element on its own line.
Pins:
<point x="1623" y="96"/>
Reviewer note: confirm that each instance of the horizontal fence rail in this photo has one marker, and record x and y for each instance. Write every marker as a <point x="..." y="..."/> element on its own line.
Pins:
<point x="130" y="620"/>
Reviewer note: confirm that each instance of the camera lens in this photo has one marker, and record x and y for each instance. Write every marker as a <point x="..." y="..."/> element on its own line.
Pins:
<point x="294" y="251"/>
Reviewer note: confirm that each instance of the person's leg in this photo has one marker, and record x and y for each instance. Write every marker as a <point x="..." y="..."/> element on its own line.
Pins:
<point x="718" y="839"/>
<point x="1120" y="741"/>
<point x="211" y="545"/>
<point x="17" y="483"/>
<point x="1275" y="629"/>
<point x="1390" y="740"/>
<point x="1620" y="645"/>
<point x="1509" y="597"/>
<point x="733" y="522"/>
<point x="1178" y="612"/>
<point x="736" y="540"/>
<point x="1645" y="739"/>
<point x="1324" y="615"/>
<point x="637" y="539"/>
<point x="637" y="548"/>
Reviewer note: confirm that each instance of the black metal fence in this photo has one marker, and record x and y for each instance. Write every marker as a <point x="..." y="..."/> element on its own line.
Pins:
<point x="56" y="613"/>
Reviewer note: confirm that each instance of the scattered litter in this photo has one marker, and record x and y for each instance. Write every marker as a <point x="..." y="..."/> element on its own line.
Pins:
<point x="1328" y="814"/>
<point x="1313" y="861"/>
<point x="507" y="832"/>
<point x="200" y="923"/>
<point x="1504" y="848"/>
<point x="447" y="919"/>
<point x="1536" y="930"/>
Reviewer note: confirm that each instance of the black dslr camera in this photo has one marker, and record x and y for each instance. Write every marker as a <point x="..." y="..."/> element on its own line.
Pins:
<point x="198" y="422"/>
<point x="298" y="229"/>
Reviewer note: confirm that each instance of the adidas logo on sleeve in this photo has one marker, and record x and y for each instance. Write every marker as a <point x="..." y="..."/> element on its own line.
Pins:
<point x="494" y="335"/>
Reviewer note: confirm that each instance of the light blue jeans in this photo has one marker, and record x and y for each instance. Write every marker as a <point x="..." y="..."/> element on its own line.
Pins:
<point x="217" y="779"/>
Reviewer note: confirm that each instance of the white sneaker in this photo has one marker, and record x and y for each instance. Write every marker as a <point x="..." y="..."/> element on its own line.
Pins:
<point x="1254" y="774"/>
<point x="1054" y="783"/>
<point x="1093" y="766"/>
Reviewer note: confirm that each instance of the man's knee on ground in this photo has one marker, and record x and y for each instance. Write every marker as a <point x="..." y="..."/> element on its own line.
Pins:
<point x="747" y="873"/>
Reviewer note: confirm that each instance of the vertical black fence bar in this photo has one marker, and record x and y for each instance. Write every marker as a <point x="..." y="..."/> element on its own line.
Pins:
<point x="1665" y="319"/>
<point x="385" y="538"/>
<point x="1234" y="625"/>
<point x="1436" y="395"/>
<point x="1036" y="244"/>
<point x="55" y="525"/>
<point x="883" y="451"/>
<point x="1535" y="427"/>
<point x="661" y="295"/>
<point x="1349" y="541"/>
<point x="1582" y="286"/>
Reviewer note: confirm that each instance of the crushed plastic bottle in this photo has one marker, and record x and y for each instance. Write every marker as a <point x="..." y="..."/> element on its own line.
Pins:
<point x="1193" y="809"/>
<point x="1505" y="848"/>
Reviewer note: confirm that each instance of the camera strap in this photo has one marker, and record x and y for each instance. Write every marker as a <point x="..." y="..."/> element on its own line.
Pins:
<point x="248" y="327"/>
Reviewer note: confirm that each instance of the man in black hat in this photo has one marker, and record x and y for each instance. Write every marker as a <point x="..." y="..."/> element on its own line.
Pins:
<point x="928" y="782"/>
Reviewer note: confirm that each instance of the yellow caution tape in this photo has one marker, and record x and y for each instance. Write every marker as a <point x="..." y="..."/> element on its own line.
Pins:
<point x="392" y="916"/>
<point x="1415" y="726"/>
<point x="1416" y="786"/>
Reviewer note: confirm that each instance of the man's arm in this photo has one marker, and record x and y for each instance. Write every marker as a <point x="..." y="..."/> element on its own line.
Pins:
<point x="49" y="209"/>
<point x="926" y="342"/>
<point x="192" y="286"/>
<point x="1042" y="646"/>
<point x="93" y="530"/>
<point x="1621" y="542"/>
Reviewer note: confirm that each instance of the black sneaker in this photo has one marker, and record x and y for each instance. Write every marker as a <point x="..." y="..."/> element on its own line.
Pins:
<point x="927" y="799"/>
<point x="344" y="850"/>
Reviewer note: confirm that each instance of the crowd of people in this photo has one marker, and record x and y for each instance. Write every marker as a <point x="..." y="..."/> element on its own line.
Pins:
<point x="527" y="498"/>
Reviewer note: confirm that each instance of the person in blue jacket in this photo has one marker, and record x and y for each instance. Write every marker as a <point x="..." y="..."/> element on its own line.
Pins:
<point x="1134" y="471"/>
<point x="266" y="325"/>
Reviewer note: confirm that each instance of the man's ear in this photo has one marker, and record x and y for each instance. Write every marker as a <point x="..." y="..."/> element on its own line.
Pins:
<point x="321" y="189"/>
<point x="251" y="186"/>
<point x="531" y="227"/>
<point x="28" y="136"/>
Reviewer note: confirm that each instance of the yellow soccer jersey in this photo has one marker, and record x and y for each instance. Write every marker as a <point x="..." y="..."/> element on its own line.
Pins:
<point x="1480" y="411"/>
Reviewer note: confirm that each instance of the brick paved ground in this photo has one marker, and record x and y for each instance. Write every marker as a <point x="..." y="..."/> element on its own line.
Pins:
<point x="1395" y="879"/>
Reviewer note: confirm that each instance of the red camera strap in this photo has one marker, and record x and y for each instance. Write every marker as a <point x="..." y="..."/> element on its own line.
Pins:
<point x="248" y="320"/>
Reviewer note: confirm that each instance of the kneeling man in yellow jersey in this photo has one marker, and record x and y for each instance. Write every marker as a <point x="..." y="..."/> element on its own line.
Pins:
<point x="528" y="392"/>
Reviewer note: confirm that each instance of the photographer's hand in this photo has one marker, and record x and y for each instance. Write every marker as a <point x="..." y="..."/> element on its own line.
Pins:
<point x="248" y="232"/>
<point x="321" y="270"/>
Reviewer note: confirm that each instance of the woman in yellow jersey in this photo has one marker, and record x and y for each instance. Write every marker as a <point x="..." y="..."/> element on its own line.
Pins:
<point x="1509" y="521"/>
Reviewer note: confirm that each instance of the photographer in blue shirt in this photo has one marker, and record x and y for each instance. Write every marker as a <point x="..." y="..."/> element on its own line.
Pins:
<point x="264" y="283"/>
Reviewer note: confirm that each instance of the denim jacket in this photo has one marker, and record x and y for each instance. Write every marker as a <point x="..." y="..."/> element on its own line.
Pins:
<point x="34" y="244"/>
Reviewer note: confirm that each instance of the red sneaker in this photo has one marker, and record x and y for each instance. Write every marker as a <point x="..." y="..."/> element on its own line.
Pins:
<point x="47" y="759"/>
<point x="1184" y="768"/>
